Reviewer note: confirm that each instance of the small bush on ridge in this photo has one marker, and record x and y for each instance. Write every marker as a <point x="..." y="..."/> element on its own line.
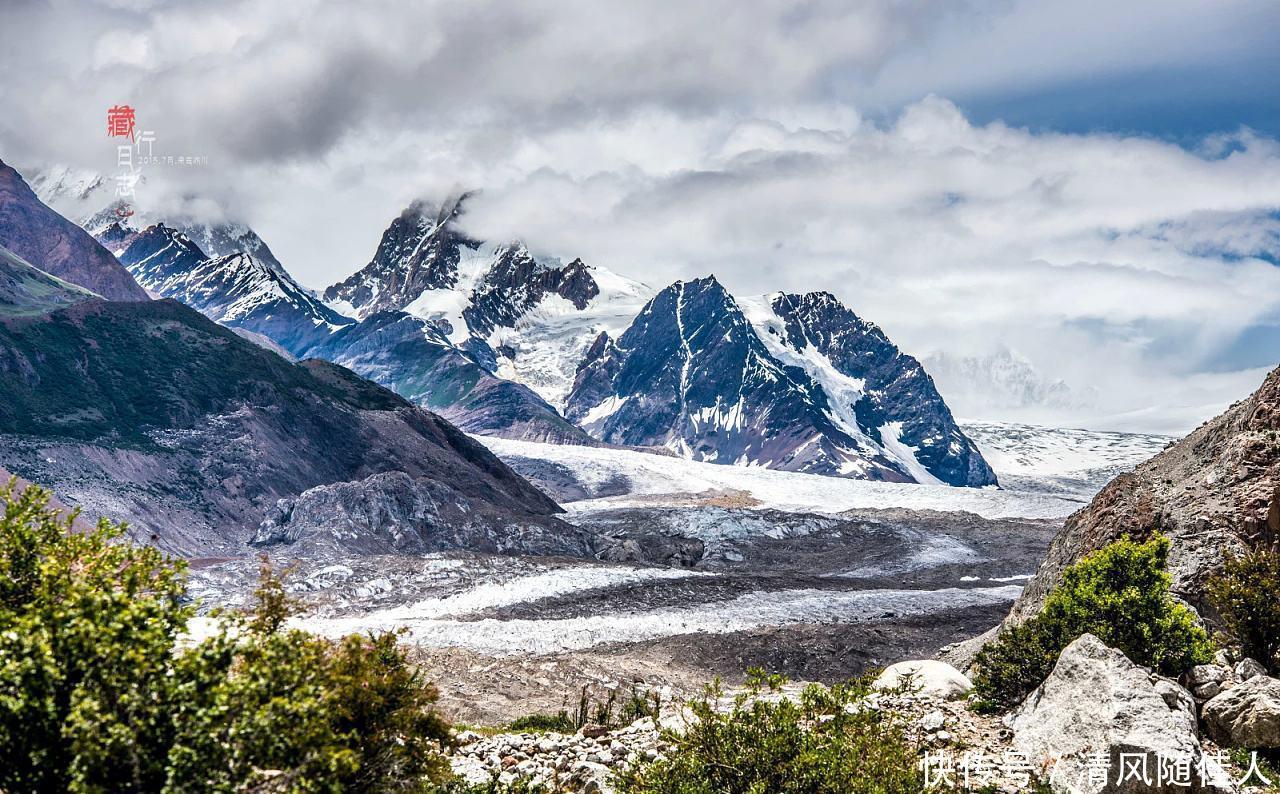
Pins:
<point x="1245" y="594"/>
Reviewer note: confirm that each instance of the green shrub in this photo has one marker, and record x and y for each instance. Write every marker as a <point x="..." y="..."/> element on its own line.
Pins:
<point x="560" y="722"/>
<point x="824" y="744"/>
<point x="1120" y="594"/>
<point x="97" y="694"/>
<point x="1245" y="594"/>
<point x="609" y="710"/>
<point x="87" y="625"/>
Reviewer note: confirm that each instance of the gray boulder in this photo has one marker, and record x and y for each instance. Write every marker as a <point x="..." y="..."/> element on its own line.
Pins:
<point x="1099" y="715"/>
<point x="1248" y="668"/>
<point x="927" y="677"/>
<point x="1247" y="715"/>
<point x="1208" y="680"/>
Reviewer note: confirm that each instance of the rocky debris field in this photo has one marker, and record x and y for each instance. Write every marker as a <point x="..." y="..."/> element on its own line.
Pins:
<point x="812" y="596"/>
<point x="582" y="761"/>
<point x="1098" y="724"/>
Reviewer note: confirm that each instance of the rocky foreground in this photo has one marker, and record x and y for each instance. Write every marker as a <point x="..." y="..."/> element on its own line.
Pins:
<point x="1099" y="724"/>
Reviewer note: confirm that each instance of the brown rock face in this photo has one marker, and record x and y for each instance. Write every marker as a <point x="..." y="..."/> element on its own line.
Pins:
<point x="1212" y="492"/>
<point x="57" y="246"/>
<point x="153" y="414"/>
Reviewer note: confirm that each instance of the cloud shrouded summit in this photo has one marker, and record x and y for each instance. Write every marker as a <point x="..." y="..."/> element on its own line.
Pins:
<point x="853" y="147"/>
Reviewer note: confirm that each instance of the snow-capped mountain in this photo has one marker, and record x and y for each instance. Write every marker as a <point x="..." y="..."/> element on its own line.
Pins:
<point x="525" y="318"/>
<point x="419" y="251"/>
<point x="88" y="198"/>
<point x="794" y="382"/>
<point x="237" y="289"/>
<point x="790" y="382"/>
<point x="1004" y="383"/>
<point x="216" y="239"/>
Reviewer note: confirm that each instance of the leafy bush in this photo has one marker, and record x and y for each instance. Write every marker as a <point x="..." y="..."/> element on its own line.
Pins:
<point x="560" y="722"/>
<point x="97" y="693"/>
<point x="1244" y="593"/>
<point x="1120" y="594"/>
<point x="826" y="743"/>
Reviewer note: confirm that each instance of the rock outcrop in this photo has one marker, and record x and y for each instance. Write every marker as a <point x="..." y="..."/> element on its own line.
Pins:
<point x="1098" y="709"/>
<point x="419" y="251"/>
<point x="1246" y="715"/>
<point x="1214" y="492"/>
<point x="393" y="513"/>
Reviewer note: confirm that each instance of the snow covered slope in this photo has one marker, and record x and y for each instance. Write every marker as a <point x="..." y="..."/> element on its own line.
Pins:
<point x="621" y="478"/>
<point x="1062" y="460"/>
<point x="791" y="382"/>
<point x="237" y="290"/>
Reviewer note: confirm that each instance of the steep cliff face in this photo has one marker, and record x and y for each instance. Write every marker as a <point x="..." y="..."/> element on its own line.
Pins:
<point x="1213" y="492"/>
<point x="517" y="283"/>
<point x="57" y="246"/>
<point x="899" y="405"/>
<point x="419" y="251"/>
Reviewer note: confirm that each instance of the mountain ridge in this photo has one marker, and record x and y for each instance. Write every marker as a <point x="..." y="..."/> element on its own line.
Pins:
<point x="237" y="289"/>
<point x="695" y="373"/>
<point x="193" y="434"/>
<point x="55" y="245"/>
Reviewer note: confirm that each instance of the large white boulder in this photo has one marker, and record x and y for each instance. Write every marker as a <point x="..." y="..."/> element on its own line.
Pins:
<point x="1246" y="715"/>
<point x="1100" y="723"/>
<point x="925" y="677"/>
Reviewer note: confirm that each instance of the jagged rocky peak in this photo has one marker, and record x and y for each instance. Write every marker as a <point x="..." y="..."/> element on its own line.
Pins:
<point x="794" y="382"/>
<point x="898" y="398"/>
<point x="116" y="236"/>
<point x="419" y="251"/>
<point x="238" y="289"/>
<point x="159" y="252"/>
<point x="691" y="375"/>
<point x="517" y="282"/>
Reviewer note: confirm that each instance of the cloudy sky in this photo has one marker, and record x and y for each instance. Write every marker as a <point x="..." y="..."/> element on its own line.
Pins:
<point x="1025" y="192"/>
